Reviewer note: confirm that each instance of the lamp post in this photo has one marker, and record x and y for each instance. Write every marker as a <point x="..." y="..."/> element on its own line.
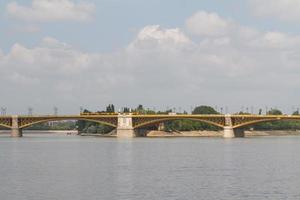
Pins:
<point x="3" y="110"/>
<point x="55" y="109"/>
<point x="30" y="111"/>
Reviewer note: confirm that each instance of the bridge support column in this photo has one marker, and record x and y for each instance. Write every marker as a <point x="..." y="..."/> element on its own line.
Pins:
<point x="15" y="130"/>
<point x="161" y="126"/>
<point x="230" y="132"/>
<point x="228" y="129"/>
<point x="125" y="128"/>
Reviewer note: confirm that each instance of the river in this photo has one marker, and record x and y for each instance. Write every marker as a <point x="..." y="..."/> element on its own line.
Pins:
<point x="53" y="167"/>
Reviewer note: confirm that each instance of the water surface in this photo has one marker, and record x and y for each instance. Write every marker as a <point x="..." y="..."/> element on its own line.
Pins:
<point x="55" y="167"/>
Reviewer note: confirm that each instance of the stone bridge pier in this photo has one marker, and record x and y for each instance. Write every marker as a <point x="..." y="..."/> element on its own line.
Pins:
<point x="229" y="131"/>
<point x="16" y="131"/>
<point x="125" y="128"/>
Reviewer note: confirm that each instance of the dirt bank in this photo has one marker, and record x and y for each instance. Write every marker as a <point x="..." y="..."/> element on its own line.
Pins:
<point x="219" y="133"/>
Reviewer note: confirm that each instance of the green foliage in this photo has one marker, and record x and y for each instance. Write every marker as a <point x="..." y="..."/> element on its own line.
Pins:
<point x="243" y="113"/>
<point x="204" y="110"/>
<point x="188" y="125"/>
<point x="92" y="127"/>
<point x="141" y="110"/>
<point x="278" y="125"/>
<point x="296" y="112"/>
<point x="191" y="125"/>
<point x="274" y="112"/>
<point x="110" y="108"/>
<point x="126" y="110"/>
<point x="61" y="125"/>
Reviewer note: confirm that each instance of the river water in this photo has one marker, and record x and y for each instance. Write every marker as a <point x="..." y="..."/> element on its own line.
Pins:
<point x="51" y="167"/>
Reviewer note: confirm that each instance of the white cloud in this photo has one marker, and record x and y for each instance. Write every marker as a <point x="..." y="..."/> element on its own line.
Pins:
<point x="51" y="10"/>
<point x="287" y="10"/>
<point x="208" y="24"/>
<point x="159" y="67"/>
<point x="154" y="37"/>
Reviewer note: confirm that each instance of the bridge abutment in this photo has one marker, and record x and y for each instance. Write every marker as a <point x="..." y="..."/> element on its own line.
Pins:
<point x="230" y="132"/>
<point x="16" y="131"/>
<point x="161" y="126"/>
<point x="125" y="128"/>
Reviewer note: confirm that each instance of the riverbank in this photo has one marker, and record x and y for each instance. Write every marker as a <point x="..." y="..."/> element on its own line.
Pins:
<point x="166" y="134"/>
<point x="59" y="132"/>
<point x="205" y="133"/>
<point x="220" y="133"/>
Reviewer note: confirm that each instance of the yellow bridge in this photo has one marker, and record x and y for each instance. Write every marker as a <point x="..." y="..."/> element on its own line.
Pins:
<point x="127" y="125"/>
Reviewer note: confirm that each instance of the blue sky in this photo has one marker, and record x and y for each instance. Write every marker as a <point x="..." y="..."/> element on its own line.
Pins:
<point x="116" y="22"/>
<point x="161" y="54"/>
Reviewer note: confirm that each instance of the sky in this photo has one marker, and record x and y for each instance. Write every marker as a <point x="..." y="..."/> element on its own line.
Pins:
<point x="162" y="54"/>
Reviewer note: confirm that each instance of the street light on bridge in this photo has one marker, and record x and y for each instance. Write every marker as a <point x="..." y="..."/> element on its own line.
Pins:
<point x="30" y="111"/>
<point x="55" y="109"/>
<point x="3" y="110"/>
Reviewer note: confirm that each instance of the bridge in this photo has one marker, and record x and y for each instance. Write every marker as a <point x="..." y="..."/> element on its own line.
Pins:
<point x="129" y="125"/>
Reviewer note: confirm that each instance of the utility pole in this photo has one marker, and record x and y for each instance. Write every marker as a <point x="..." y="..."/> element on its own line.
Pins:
<point x="30" y="111"/>
<point x="55" y="109"/>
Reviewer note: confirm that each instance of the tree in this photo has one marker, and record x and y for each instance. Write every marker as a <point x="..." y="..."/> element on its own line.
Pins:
<point x="296" y="112"/>
<point x="204" y="110"/>
<point x="110" y="108"/>
<point x="140" y="109"/>
<point x="260" y="111"/>
<point x="274" y="112"/>
<point x="126" y="110"/>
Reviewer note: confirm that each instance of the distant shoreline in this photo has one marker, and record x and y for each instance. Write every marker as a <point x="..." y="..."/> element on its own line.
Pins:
<point x="167" y="134"/>
<point x="207" y="133"/>
<point x="220" y="133"/>
<point x="62" y="132"/>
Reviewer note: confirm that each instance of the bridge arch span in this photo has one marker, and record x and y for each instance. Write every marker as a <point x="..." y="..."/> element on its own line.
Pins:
<point x="157" y="121"/>
<point x="5" y="126"/>
<point x="31" y="123"/>
<point x="256" y="122"/>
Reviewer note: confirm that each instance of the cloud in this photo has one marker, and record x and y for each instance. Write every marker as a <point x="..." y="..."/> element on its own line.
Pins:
<point x="208" y="24"/>
<point x="160" y="67"/>
<point x="51" y="11"/>
<point x="286" y="10"/>
<point x="154" y="37"/>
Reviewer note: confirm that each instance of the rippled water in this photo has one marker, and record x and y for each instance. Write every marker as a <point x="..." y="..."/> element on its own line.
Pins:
<point x="79" y="168"/>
